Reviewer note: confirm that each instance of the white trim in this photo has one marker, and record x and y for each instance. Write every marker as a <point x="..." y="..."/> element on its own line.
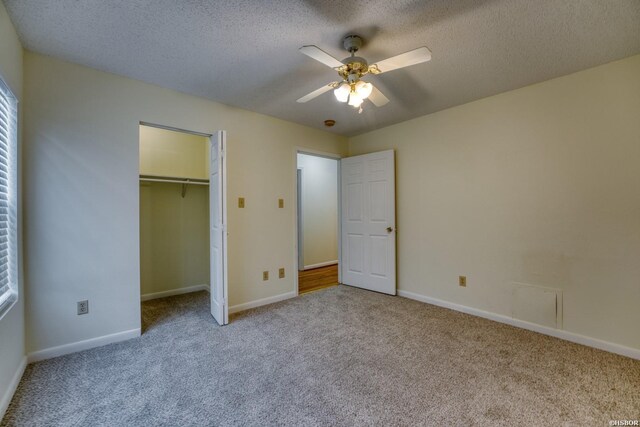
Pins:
<point x="633" y="353"/>
<point x="339" y="220"/>
<point x="320" y="264"/>
<point x="172" y="292"/>
<point x="299" y="215"/>
<point x="225" y="224"/>
<point x="261" y="302"/>
<point x="7" y="305"/>
<point x="174" y="129"/>
<point x="317" y="153"/>
<point x="74" y="347"/>
<point x="13" y="386"/>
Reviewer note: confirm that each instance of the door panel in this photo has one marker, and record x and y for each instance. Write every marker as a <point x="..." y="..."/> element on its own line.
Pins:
<point x="218" y="235"/>
<point x="356" y="252"/>
<point x="354" y="193"/>
<point x="368" y="222"/>
<point x="379" y="256"/>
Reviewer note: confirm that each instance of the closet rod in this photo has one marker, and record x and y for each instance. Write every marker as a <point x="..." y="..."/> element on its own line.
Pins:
<point x="154" y="178"/>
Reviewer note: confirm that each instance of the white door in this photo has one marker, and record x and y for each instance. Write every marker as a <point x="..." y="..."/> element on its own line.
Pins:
<point x="368" y="221"/>
<point x="218" y="225"/>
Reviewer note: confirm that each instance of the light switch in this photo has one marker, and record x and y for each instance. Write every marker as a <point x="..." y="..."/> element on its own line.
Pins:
<point x="241" y="202"/>
<point x="281" y="203"/>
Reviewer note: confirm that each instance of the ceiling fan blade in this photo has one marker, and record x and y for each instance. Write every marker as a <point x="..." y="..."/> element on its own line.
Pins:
<point x="317" y="92"/>
<point x="377" y="97"/>
<point x="413" y="57"/>
<point x="320" y="55"/>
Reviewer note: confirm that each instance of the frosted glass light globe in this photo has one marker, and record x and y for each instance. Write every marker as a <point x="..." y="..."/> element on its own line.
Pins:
<point x="364" y="89"/>
<point x="354" y="99"/>
<point x="342" y="92"/>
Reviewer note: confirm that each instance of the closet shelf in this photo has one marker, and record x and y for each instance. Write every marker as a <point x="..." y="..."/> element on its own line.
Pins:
<point x="177" y="180"/>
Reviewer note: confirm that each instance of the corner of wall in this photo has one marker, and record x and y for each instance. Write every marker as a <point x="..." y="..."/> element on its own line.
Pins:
<point x="12" y="325"/>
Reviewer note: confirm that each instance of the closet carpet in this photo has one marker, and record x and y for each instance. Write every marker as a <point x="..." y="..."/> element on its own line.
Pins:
<point x="342" y="357"/>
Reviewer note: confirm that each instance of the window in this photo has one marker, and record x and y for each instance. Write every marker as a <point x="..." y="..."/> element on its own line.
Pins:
<point x="8" y="198"/>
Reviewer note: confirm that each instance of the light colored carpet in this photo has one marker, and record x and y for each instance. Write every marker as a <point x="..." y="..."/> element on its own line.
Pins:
<point x="342" y="356"/>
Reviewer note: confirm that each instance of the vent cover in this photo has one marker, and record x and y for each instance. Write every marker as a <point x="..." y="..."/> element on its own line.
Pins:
<point x="537" y="304"/>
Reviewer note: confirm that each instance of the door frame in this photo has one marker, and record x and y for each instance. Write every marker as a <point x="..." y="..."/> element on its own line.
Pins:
<point x="296" y="249"/>
<point x="299" y="201"/>
<point x="209" y="135"/>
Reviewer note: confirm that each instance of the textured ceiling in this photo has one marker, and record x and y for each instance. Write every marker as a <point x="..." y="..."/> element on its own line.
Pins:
<point x="245" y="52"/>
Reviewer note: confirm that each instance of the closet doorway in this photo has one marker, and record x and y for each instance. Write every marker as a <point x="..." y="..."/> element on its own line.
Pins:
<point x="318" y="221"/>
<point x="183" y="216"/>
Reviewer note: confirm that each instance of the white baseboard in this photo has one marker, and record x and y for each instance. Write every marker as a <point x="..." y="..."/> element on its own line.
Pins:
<point x="320" y="264"/>
<point x="13" y="385"/>
<point x="633" y="353"/>
<point x="74" y="347"/>
<point x="261" y="302"/>
<point x="172" y="292"/>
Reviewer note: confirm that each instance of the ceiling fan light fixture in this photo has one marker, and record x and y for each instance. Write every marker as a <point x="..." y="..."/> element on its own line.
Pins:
<point x="355" y="100"/>
<point x="342" y="92"/>
<point x="350" y="88"/>
<point x="363" y="89"/>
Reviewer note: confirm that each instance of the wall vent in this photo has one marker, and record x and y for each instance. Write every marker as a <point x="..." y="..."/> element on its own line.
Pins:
<point x="537" y="304"/>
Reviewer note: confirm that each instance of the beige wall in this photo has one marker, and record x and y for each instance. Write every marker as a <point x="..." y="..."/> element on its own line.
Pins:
<point x="319" y="209"/>
<point x="12" y="325"/>
<point x="174" y="237"/>
<point x="82" y="195"/>
<point x="539" y="185"/>
<point x="173" y="154"/>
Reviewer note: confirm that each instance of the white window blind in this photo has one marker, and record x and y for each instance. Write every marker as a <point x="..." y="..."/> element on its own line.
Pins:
<point x="8" y="198"/>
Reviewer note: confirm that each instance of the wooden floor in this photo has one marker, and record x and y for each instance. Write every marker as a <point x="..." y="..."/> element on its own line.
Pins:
<point x="318" y="278"/>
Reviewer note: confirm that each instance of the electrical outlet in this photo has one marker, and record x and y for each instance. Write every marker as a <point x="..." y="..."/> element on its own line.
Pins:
<point x="83" y="307"/>
<point x="241" y="202"/>
<point x="462" y="281"/>
<point x="265" y="275"/>
<point x="281" y="203"/>
<point x="281" y="273"/>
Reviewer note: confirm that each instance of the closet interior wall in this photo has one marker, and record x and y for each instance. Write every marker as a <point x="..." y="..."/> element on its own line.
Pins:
<point x="174" y="212"/>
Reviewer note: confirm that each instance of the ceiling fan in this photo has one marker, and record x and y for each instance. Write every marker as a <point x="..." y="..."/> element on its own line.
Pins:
<point x="351" y="88"/>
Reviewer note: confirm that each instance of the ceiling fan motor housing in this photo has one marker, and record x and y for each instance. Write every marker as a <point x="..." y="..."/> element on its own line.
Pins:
<point x="356" y="63"/>
<point x="354" y="66"/>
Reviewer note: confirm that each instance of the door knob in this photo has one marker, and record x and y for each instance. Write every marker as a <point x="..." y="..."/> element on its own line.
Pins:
<point x="389" y="229"/>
